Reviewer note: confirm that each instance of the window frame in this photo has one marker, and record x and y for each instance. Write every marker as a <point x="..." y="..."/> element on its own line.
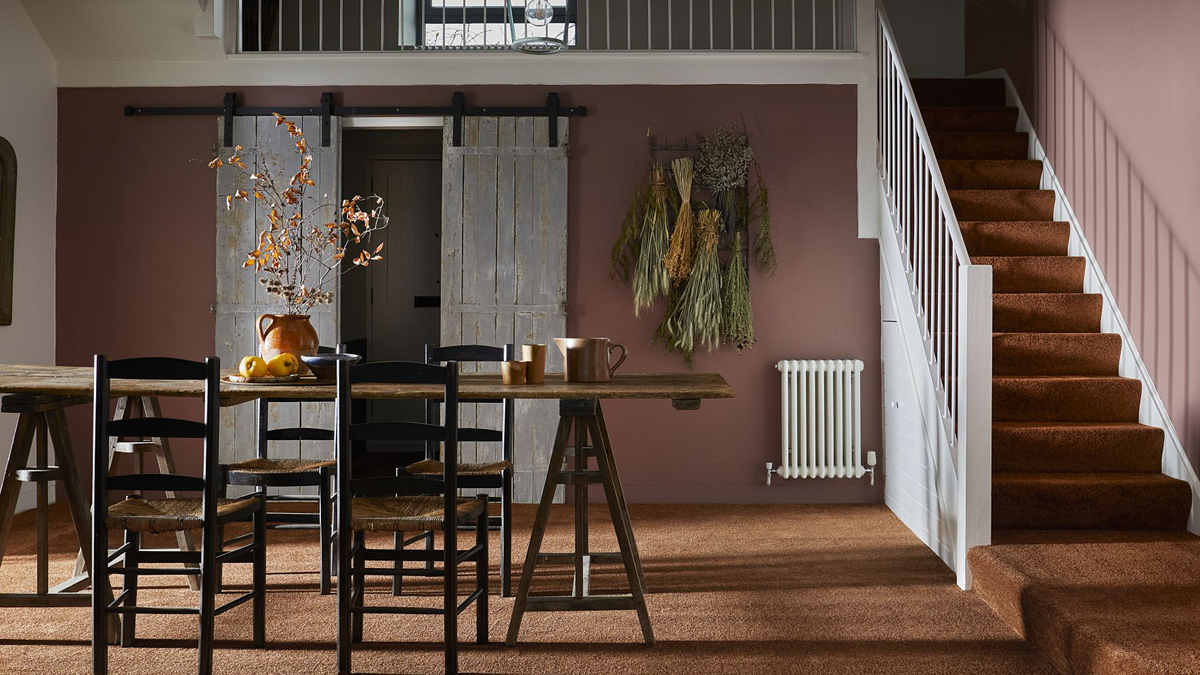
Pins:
<point x="8" y="228"/>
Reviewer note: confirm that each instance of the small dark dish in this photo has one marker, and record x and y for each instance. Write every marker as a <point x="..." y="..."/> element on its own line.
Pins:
<point x="324" y="366"/>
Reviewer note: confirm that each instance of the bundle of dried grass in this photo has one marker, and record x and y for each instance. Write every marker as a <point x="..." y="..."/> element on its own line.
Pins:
<point x="625" y="251"/>
<point x="650" y="278"/>
<point x="696" y="318"/>
<point x="683" y="239"/>
<point x="764" y="248"/>
<point x="737" y="314"/>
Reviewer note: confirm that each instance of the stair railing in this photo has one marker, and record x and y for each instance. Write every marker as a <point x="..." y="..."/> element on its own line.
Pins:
<point x="951" y="298"/>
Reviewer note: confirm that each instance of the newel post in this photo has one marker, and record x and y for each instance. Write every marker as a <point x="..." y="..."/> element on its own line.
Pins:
<point x="975" y="415"/>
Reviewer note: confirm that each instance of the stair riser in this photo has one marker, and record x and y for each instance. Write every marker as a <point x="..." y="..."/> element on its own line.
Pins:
<point x="1052" y="274"/>
<point x="1003" y="204"/>
<point x="1093" y="354"/>
<point x="1001" y="238"/>
<point x="1163" y="506"/>
<point x="989" y="174"/>
<point x="969" y="118"/>
<point x="970" y="145"/>
<point x="1065" y="400"/>
<point x="1074" y="449"/>
<point x="1046" y="313"/>
<point x="959" y="92"/>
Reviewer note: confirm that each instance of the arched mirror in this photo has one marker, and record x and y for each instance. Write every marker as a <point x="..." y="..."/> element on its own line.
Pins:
<point x="8" y="227"/>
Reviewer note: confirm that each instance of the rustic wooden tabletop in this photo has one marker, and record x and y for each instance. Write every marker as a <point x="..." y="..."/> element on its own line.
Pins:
<point x="77" y="381"/>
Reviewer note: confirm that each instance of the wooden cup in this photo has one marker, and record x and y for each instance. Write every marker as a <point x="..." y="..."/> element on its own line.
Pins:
<point x="535" y="355"/>
<point x="513" y="372"/>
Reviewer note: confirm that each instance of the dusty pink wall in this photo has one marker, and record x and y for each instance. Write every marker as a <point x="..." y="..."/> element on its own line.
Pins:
<point x="1114" y="99"/>
<point x="136" y="227"/>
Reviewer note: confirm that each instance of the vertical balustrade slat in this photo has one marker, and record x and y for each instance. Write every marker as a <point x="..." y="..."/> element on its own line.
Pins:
<point x="753" y="11"/>
<point x="814" y="24"/>
<point x="833" y="13"/>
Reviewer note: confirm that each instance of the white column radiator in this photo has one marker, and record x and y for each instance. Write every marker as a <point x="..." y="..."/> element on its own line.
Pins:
<point x="821" y="427"/>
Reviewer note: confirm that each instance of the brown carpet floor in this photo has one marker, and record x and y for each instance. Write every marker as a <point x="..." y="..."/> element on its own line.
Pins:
<point x="1092" y="563"/>
<point x="733" y="589"/>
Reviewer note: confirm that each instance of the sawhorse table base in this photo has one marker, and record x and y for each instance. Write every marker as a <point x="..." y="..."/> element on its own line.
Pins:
<point x="584" y="418"/>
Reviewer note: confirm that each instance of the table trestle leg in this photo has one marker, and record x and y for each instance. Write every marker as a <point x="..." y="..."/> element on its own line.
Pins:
<point x="585" y="419"/>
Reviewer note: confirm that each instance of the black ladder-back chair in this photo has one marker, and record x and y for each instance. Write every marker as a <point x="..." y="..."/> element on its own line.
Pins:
<point x="493" y="475"/>
<point x="372" y="495"/>
<point x="137" y="516"/>
<point x="264" y="471"/>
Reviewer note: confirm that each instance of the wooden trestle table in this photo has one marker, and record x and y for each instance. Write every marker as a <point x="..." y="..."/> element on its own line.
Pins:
<point x="45" y="390"/>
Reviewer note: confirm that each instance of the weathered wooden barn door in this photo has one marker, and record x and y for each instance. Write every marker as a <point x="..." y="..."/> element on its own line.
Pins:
<point x="241" y="299"/>
<point x="504" y="265"/>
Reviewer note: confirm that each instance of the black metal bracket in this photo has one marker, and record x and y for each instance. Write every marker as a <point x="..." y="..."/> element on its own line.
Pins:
<point x="552" y="113"/>
<point x="326" y="117"/>
<point x="459" y="103"/>
<point x="457" y="110"/>
<point x="228" y="111"/>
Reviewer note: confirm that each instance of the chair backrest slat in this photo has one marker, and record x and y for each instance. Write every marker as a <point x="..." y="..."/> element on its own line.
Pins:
<point x="165" y="482"/>
<point x="396" y="431"/>
<point x="300" y="434"/>
<point x="481" y="353"/>
<point x="156" y="368"/>
<point x="472" y="435"/>
<point x="156" y="427"/>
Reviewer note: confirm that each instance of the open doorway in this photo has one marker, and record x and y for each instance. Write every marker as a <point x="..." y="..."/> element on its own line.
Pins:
<point x="391" y="311"/>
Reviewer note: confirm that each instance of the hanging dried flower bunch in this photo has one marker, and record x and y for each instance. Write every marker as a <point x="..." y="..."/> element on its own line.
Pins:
<point x="650" y="278"/>
<point x="297" y="254"/>
<point x="696" y="317"/>
<point x="628" y="245"/>
<point x="683" y="238"/>
<point x="679" y="254"/>
<point x="725" y="158"/>
<point x="764" y="248"/>
<point x="737" y="314"/>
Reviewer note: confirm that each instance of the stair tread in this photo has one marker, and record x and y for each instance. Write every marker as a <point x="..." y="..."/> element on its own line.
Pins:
<point x="1071" y="425"/>
<point x="1093" y="479"/>
<point x="968" y="117"/>
<point x="1031" y="537"/>
<point x="1099" y="602"/>
<point x="964" y="173"/>
<point x="1047" y="312"/>
<point x="946" y="91"/>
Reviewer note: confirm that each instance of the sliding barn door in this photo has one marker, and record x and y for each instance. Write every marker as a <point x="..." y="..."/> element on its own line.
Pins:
<point x="504" y="266"/>
<point x="240" y="298"/>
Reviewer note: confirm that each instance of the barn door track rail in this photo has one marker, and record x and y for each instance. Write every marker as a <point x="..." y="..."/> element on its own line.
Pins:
<point x="458" y="109"/>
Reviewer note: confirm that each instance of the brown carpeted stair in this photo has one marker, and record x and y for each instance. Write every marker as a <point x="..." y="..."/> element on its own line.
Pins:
<point x="1073" y="469"/>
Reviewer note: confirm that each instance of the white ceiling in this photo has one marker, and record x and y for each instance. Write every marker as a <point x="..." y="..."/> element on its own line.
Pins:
<point x="122" y="30"/>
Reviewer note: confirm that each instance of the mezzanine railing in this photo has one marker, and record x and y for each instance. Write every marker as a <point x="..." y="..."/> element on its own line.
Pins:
<point x="373" y="26"/>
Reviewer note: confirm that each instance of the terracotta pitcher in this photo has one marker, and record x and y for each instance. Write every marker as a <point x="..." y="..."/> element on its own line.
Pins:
<point x="293" y="333"/>
<point x="587" y="359"/>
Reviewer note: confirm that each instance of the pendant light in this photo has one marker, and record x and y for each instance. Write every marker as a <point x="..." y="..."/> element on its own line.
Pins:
<point x="539" y="17"/>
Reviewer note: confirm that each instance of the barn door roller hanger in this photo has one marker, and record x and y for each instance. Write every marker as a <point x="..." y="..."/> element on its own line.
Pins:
<point x="458" y="109"/>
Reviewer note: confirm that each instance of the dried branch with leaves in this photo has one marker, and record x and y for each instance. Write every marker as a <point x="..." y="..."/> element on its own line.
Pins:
<point x="297" y="255"/>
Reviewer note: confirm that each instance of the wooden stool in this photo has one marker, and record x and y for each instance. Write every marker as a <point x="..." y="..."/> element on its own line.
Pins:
<point x="41" y="421"/>
<point x="144" y="406"/>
